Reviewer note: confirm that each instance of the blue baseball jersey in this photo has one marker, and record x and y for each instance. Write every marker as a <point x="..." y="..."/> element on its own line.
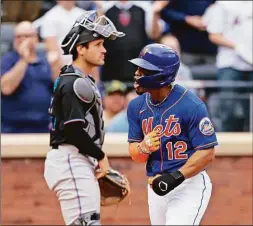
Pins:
<point x="183" y="124"/>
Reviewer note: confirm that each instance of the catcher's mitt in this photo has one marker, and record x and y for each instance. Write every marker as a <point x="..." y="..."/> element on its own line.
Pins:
<point x="114" y="187"/>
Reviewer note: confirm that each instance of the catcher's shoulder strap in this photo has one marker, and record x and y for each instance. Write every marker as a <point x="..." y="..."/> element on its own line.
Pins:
<point x="68" y="70"/>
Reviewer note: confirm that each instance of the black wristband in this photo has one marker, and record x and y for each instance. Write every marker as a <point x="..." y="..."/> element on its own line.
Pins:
<point x="164" y="184"/>
<point x="178" y="176"/>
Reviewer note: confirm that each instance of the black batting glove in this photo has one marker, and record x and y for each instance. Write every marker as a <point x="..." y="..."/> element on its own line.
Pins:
<point x="164" y="184"/>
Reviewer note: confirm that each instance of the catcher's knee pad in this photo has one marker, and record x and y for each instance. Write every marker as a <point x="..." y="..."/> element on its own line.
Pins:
<point x="90" y="218"/>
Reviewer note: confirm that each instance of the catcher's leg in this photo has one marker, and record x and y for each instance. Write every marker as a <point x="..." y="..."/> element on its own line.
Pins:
<point x="73" y="179"/>
<point x="91" y="218"/>
<point x="157" y="207"/>
<point x="188" y="202"/>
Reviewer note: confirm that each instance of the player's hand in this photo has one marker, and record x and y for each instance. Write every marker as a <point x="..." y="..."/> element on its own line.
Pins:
<point x="150" y="179"/>
<point x="151" y="142"/>
<point x="104" y="167"/>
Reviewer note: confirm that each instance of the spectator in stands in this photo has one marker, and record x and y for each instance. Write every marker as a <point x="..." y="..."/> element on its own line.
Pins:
<point x="184" y="18"/>
<point x="230" y="27"/>
<point x="114" y="97"/>
<point x="119" y="123"/>
<point x="137" y="20"/>
<point x="54" y="26"/>
<point x="26" y="84"/>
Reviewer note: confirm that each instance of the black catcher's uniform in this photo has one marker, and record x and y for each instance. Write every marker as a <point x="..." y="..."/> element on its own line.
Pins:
<point x="74" y="107"/>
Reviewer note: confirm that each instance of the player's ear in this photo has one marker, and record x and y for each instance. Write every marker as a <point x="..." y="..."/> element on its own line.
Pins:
<point x="81" y="49"/>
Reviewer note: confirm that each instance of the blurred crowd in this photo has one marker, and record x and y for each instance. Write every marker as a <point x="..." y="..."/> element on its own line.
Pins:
<point x="212" y="38"/>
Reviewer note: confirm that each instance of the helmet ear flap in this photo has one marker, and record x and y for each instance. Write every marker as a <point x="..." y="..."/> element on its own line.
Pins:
<point x="162" y="78"/>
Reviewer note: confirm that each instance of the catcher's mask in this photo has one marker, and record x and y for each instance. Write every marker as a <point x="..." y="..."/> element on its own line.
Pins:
<point x="89" y="27"/>
<point x="160" y="64"/>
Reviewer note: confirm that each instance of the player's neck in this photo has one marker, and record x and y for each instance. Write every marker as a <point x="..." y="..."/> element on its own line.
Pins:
<point x="159" y="95"/>
<point x="83" y="66"/>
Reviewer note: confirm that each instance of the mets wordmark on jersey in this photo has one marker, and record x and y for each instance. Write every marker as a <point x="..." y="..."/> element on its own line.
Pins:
<point x="182" y="122"/>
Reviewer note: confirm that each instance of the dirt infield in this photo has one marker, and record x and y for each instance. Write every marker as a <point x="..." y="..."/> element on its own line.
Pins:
<point x="26" y="199"/>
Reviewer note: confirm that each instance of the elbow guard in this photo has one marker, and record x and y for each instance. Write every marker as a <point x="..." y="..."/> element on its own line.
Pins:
<point x="77" y="136"/>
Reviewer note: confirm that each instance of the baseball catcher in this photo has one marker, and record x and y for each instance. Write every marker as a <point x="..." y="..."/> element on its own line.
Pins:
<point x="77" y="133"/>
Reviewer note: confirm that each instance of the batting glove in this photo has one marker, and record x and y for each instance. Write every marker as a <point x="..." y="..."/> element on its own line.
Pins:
<point x="150" y="143"/>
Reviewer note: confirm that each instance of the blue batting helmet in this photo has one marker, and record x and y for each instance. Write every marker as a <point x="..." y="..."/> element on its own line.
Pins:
<point x="162" y="60"/>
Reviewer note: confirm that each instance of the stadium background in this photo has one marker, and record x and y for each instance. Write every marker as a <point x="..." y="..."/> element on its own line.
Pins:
<point x="26" y="200"/>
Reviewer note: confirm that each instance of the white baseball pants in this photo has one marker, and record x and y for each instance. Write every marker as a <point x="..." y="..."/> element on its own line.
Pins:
<point x="185" y="205"/>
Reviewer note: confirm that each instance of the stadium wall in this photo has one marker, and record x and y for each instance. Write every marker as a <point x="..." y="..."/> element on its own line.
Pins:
<point x="26" y="199"/>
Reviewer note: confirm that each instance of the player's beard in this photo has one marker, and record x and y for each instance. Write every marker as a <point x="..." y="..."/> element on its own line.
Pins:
<point x="140" y="90"/>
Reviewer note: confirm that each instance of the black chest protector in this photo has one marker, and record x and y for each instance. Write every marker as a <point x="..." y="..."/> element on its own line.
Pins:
<point x="66" y="107"/>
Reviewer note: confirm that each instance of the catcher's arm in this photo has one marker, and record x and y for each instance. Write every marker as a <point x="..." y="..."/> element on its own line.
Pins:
<point x="140" y="151"/>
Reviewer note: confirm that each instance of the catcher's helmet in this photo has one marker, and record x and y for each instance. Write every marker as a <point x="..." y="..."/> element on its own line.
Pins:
<point x="89" y="27"/>
<point x="163" y="63"/>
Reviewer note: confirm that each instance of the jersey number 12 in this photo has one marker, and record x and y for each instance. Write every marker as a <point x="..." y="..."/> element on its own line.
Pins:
<point x="180" y="147"/>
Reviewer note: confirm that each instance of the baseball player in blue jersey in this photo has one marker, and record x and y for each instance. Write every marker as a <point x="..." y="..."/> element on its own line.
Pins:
<point x="170" y="130"/>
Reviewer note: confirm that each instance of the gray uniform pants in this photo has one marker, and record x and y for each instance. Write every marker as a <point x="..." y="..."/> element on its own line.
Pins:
<point x="72" y="177"/>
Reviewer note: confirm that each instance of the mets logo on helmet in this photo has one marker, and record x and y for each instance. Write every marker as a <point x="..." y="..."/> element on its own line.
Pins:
<point x="206" y="126"/>
<point x="144" y="51"/>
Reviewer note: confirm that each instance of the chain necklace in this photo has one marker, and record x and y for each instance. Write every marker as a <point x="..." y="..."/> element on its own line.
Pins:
<point x="155" y="105"/>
